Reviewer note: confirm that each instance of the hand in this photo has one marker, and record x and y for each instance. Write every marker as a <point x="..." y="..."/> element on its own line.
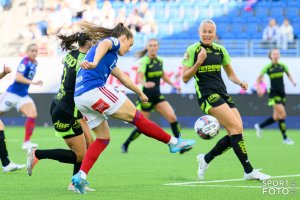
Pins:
<point x="87" y="65"/>
<point x="149" y="84"/>
<point x="201" y="56"/>
<point x="143" y="97"/>
<point x="244" y="85"/>
<point x="39" y="82"/>
<point x="260" y="93"/>
<point x="294" y="84"/>
<point x="6" y="69"/>
<point x="178" y="88"/>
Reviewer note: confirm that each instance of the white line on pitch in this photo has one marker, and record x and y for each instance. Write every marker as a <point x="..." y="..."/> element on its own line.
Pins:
<point x="230" y="186"/>
<point x="227" y="180"/>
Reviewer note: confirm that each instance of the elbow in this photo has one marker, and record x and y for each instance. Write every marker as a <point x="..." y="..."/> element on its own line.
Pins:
<point x="185" y="80"/>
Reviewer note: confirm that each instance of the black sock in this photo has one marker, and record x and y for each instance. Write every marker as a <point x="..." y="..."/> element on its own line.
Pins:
<point x="282" y="128"/>
<point x="239" y="148"/>
<point x="222" y="145"/>
<point x="3" y="151"/>
<point x="175" y="129"/>
<point x="134" y="134"/>
<point x="61" y="155"/>
<point x="267" y="122"/>
<point x="76" y="168"/>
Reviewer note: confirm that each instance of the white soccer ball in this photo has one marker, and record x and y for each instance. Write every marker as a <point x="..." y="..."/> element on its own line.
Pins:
<point x="207" y="127"/>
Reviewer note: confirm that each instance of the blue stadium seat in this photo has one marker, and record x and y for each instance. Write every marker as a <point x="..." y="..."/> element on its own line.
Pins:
<point x="189" y="12"/>
<point x="261" y="12"/>
<point x="160" y="13"/>
<point x="218" y="10"/>
<point x="293" y="3"/>
<point x="201" y="11"/>
<point x="276" y="11"/>
<point x="253" y="28"/>
<point x="163" y="28"/>
<point x="292" y="12"/>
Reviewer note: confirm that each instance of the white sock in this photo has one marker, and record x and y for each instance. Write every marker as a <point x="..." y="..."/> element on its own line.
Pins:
<point x="173" y="141"/>
<point x="82" y="174"/>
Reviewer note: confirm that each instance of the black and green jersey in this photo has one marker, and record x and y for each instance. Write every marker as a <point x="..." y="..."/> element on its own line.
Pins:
<point x="153" y="71"/>
<point x="275" y="73"/>
<point x="71" y="65"/>
<point x="208" y="77"/>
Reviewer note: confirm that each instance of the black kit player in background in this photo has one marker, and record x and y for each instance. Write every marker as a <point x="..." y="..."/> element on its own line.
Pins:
<point x="203" y="61"/>
<point x="68" y="121"/>
<point x="277" y="99"/>
<point x="7" y="165"/>
<point x="150" y="73"/>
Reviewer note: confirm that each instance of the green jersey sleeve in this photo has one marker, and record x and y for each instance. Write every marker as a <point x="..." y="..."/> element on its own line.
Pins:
<point x="226" y="58"/>
<point x="189" y="56"/>
<point x="265" y="69"/>
<point x="143" y="65"/>
<point x="286" y="70"/>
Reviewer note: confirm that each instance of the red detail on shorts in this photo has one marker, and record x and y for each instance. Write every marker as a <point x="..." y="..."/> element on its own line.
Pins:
<point x="109" y="94"/>
<point x="100" y="106"/>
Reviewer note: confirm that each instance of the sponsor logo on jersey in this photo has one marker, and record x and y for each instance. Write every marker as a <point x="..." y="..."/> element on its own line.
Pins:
<point x="186" y="56"/>
<point x="21" y="67"/>
<point x="209" y="68"/>
<point x="115" y="41"/>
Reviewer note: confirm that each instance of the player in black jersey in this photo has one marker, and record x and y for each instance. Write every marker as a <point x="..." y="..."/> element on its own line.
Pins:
<point x="7" y="164"/>
<point x="277" y="99"/>
<point x="67" y="120"/>
<point x="150" y="73"/>
<point x="203" y="61"/>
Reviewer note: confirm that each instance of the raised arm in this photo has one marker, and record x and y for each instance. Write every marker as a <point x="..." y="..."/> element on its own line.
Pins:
<point x="103" y="47"/>
<point x="188" y="72"/>
<point x="126" y="81"/>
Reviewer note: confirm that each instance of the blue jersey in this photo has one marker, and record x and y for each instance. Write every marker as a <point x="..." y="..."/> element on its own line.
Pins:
<point x="27" y="67"/>
<point x="88" y="79"/>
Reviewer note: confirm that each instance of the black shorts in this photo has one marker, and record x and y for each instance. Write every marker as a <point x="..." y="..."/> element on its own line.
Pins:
<point x="276" y="98"/>
<point x="64" y="120"/>
<point x="214" y="100"/>
<point x="149" y="106"/>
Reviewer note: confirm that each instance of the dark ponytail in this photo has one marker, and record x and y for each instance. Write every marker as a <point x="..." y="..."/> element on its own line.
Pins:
<point x="97" y="32"/>
<point x="67" y="41"/>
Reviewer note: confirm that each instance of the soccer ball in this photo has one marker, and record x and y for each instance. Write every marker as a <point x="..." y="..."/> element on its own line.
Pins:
<point x="207" y="127"/>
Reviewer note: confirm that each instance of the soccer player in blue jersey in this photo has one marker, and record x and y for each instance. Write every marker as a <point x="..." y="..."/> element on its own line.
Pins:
<point x="17" y="96"/>
<point x="7" y="165"/>
<point x="95" y="99"/>
<point x="66" y="119"/>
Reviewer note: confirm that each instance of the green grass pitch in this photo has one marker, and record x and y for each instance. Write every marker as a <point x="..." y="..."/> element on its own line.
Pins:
<point x="145" y="172"/>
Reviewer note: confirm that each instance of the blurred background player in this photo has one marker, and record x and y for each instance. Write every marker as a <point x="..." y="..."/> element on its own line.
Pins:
<point x="7" y="165"/>
<point x="277" y="99"/>
<point x="95" y="99"/>
<point x="150" y="73"/>
<point x="203" y="61"/>
<point x="17" y="96"/>
<point x="67" y="120"/>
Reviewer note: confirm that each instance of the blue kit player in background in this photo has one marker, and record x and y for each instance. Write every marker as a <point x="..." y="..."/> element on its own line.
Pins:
<point x="7" y="165"/>
<point x="95" y="99"/>
<point x="17" y="96"/>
